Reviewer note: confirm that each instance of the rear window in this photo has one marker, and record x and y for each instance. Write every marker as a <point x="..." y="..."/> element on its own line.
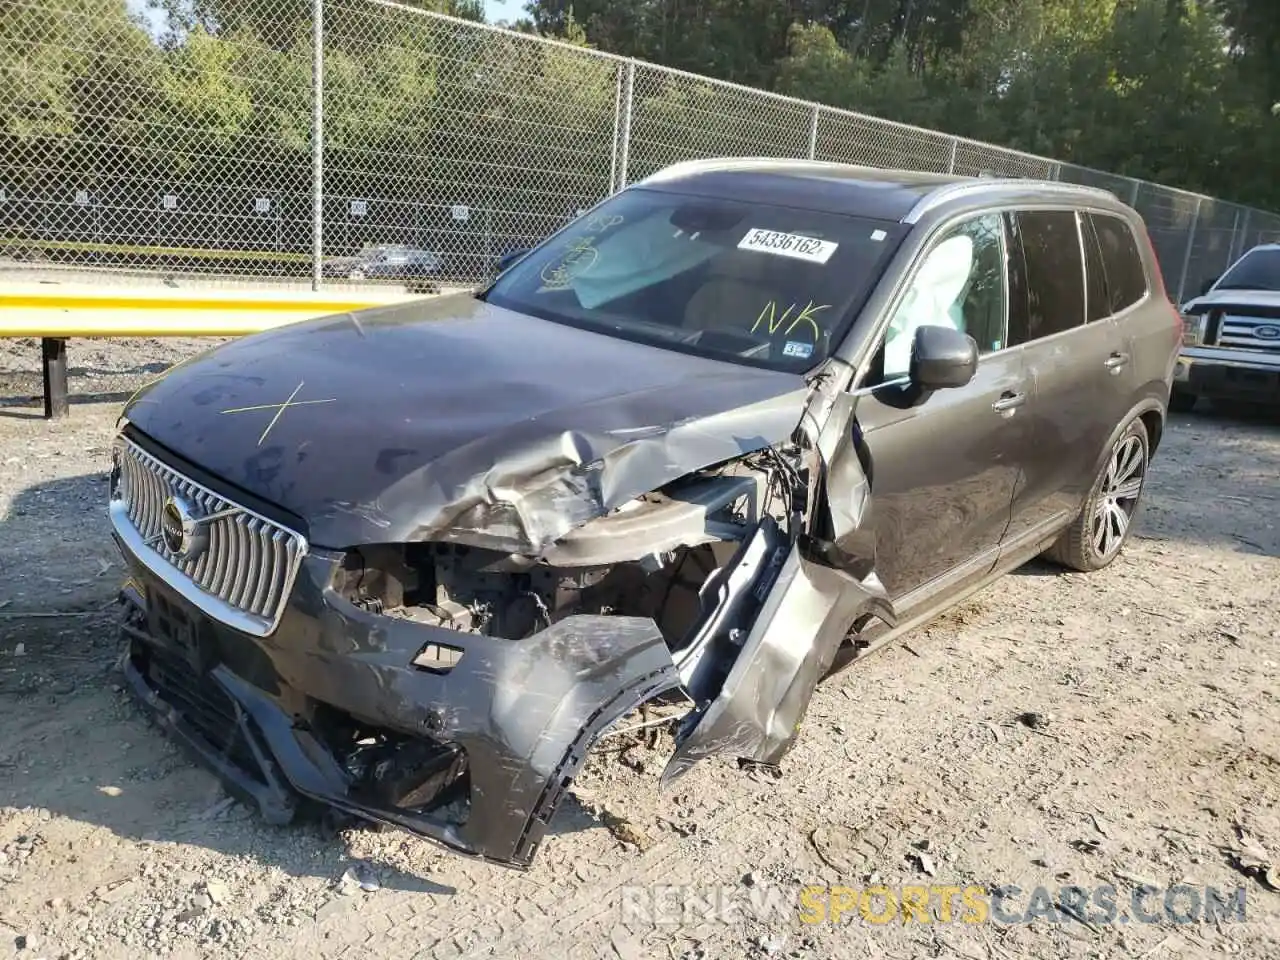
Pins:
<point x="749" y="282"/>
<point x="1046" y="276"/>
<point x="1126" y="276"/>
<point x="1256" y="270"/>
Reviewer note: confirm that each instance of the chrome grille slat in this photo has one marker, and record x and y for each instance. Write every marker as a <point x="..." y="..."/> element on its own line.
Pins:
<point x="150" y="496"/>
<point x="254" y="566"/>
<point x="244" y="575"/>
<point x="1240" y="331"/>
<point x="217" y="550"/>
<point x="205" y="502"/>
<point x="279" y="563"/>
<point x="242" y="565"/>
<point x="266" y="565"/>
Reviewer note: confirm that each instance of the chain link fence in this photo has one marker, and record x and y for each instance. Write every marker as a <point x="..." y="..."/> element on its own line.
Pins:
<point x="331" y="142"/>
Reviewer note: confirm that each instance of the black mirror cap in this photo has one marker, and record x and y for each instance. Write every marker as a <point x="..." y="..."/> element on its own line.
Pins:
<point x="507" y="259"/>
<point x="942" y="357"/>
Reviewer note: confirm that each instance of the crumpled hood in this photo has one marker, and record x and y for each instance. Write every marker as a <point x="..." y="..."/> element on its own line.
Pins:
<point x="451" y="419"/>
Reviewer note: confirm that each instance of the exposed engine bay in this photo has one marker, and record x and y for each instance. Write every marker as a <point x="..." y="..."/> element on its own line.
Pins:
<point x="680" y="536"/>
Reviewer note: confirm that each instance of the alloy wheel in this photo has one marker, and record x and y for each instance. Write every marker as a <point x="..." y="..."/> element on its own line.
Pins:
<point x="1117" y="497"/>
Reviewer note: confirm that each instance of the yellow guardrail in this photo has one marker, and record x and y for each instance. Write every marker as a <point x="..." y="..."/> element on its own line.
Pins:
<point x="58" y="310"/>
<point x="55" y="313"/>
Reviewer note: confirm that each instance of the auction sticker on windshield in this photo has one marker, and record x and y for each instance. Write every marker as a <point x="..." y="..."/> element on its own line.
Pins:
<point x="788" y="245"/>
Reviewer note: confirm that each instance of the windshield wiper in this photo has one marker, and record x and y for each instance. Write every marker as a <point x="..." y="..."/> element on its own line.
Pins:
<point x="632" y="325"/>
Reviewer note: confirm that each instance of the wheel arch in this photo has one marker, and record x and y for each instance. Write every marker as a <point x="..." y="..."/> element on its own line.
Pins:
<point x="1152" y="414"/>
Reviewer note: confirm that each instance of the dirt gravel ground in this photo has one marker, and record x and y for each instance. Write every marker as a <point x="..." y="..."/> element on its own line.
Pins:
<point x="1059" y="729"/>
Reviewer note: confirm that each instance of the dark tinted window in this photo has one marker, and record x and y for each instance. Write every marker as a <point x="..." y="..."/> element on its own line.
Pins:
<point x="736" y="280"/>
<point x="1046" y="276"/>
<point x="1257" y="270"/>
<point x="1126" y="276"/>
<point x="1097" y="301"/>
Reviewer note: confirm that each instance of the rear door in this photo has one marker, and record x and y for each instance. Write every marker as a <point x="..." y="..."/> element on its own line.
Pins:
<point x="1077" y="355"/>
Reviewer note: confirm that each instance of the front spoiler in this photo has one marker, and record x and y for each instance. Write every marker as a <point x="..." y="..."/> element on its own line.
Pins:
<point x="602" y="668"/>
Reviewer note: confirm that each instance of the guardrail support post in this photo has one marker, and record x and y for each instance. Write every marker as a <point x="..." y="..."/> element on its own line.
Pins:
<point x="54" y="356"/>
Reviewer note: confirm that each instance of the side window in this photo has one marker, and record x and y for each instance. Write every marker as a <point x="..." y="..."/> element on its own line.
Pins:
<point x="1097" y="300"/>
<point x="1046" y="275"/>
<point x="960" y="284"/>
<point x="1126" y="275"/>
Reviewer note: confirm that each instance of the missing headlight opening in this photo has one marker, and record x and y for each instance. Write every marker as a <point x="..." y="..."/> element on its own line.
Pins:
<point x="678" y="538"/>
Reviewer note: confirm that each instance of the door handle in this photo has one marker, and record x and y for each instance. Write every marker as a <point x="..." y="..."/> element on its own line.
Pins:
<point x="1116" y="362"/>
<point x="1008" y="403"/>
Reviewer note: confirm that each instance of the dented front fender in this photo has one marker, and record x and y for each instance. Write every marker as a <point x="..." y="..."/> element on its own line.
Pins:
<point x="765" y="696"/>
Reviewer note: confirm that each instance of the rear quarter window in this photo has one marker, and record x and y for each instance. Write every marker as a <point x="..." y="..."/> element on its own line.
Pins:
<point x="1126" y="275"/>
<point x="1098" y="299"/>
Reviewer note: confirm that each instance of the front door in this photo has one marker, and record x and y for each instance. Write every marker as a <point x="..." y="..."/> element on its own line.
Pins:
<point x="943" y="469"/>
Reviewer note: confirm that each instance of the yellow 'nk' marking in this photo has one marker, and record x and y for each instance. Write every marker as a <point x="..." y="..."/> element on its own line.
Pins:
<point x="774" y="322"/>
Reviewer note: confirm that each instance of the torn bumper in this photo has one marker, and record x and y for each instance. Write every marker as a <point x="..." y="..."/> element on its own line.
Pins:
<point x="521" y="714"/>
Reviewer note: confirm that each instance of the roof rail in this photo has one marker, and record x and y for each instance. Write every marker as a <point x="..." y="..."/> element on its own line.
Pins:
<point x="952" y="191"/>
<point x="717" y="164"/>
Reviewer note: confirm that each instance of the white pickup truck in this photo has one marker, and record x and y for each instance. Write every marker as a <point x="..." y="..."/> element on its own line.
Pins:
<point x="1231" y="339"/>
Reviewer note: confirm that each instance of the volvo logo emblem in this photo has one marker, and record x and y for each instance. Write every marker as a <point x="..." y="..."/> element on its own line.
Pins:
<point x="184" y="532"/>
<point x="1267" y="333"/>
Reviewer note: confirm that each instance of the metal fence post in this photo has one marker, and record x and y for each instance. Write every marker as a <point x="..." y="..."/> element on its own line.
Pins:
<point x="813" y="132"/>
<point x="624" y="123"/>
<point x="617" y="127"/>
<point x="1238" y="251"/>
<point x="955" y="144"/>
<point x="1133" y="200"/>
<point x="1186" y="256"/>
<point x="1231" y="247"/>
<point x="317" y="142"/>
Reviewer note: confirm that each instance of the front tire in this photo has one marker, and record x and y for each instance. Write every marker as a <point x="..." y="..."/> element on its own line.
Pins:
<point x="1097" y="535"/>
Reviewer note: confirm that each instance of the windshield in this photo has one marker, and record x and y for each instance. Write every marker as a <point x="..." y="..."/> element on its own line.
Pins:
<point x="1256" y="270"/>
<point x="749" y="282"/>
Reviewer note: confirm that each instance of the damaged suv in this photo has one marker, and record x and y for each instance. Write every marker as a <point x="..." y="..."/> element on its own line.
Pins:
<point x="409" y="563"/>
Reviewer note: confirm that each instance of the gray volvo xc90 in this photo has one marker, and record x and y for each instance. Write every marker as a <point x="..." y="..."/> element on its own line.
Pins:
<point x="735" y="426"/>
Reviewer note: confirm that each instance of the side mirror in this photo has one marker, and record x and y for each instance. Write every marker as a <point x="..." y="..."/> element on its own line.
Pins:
<point x="507" y="259"/>
<point x="942" y="357"/>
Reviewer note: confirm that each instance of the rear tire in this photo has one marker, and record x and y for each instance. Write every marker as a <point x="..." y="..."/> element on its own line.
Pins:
<point x="1098" y="533"/>
<point x="1180" y="402"/>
